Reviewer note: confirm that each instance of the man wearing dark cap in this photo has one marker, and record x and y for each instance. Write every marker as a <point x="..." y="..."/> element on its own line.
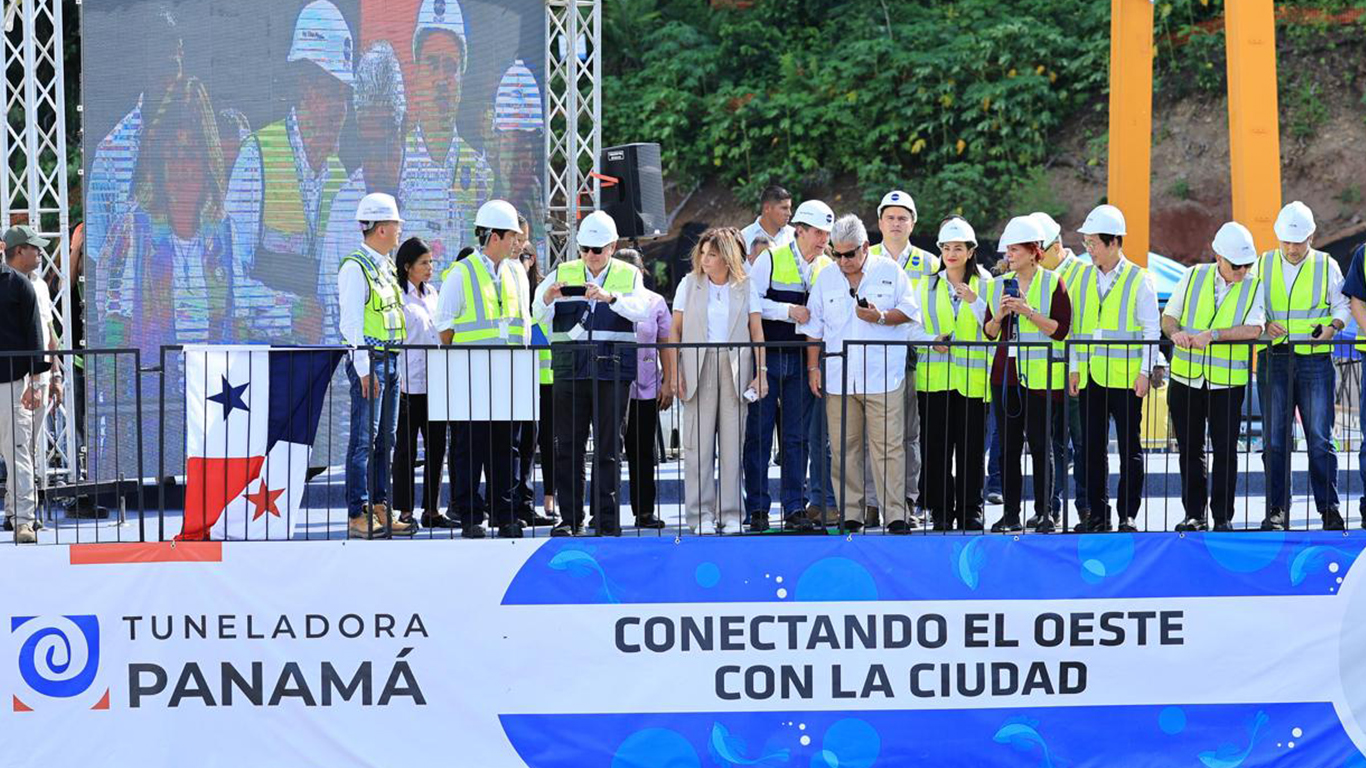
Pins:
<point x="21" y="388"/>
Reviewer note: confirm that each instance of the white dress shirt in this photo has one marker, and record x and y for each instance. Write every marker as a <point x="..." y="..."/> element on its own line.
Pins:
<point x="1176" y="305"/>
<point x="761" y="275"/>
<point x="784" y="236"/>
<point x="1148" y="318"/>
<point x="419" y="310"/>
<point x="633" y="306"/>
<point x="718" y="306"/>
<point x="873" y="368"/>
<point x="352" y="293"/>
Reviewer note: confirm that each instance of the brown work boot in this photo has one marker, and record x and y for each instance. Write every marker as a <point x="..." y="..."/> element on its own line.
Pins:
<point x="383" y="521"/>
<point x="359" y="528"/>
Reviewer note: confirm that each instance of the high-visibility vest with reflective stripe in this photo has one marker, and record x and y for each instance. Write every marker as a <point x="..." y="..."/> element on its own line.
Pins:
<point x="606" y="329"/>
<point x="543" y="366"/>
<point x="384" y="322"/>
<point x="285" y="228"/>
<point x="818" y="264"/>
<point x="965" y="370"/>
<point x="1032" y="362"/>
<point x="1307" y="304"/>
<point x="1070" y="270"/>
<point x="489" y="308"/>
<point x="1223" y="364"/>
<point x="919" y="263"/>
<point x="785" y="285"/>
<point x="1112" y="357"/>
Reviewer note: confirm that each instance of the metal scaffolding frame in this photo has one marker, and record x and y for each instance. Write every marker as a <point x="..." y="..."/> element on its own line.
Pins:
<point x="573" y="139"/>
<point x="33" y="186"/>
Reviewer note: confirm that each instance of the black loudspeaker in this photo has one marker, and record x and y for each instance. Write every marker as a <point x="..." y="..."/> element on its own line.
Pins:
<point x="636" y="201"/>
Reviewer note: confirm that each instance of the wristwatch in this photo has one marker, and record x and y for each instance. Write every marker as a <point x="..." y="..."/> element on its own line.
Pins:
<point x="1214" y="335"/>
<point x="882" y="318"/>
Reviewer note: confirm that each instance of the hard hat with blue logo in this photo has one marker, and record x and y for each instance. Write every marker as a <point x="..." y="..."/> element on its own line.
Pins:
<point x="442" y="16"/>
<point x="816" y="214"/>
<point x="322" y="36"/>
<point x="517" y="102"/>
<point x="899" y="199"/>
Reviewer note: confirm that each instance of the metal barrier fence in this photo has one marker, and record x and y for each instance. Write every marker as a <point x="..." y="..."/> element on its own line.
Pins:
<point x="672" y="467"/>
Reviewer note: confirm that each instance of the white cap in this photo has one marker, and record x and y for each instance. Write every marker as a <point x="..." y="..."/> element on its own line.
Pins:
<point x="598" y="229"/>
<point x="1234" y="242"/>
<point x="442" y="16"/>
<point x="816" y="214"/>
<point x="899" y="199"/>
<point x="1021" y="229"/>
<point x="1051" y="229"/>
<point x="1295" y="224"/>
<point x="377" y="206"/>
<point x="957" y="230"/>
<point x="517" y="102"/>
<point x="497" y="214"/>
<point x="1104" y="220"/>
<point x="322" y="37"/>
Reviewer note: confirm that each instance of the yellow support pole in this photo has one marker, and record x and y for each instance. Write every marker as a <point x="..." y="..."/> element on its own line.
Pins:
<point x="1131" y="119"/>
<point x="1253" y="118"/>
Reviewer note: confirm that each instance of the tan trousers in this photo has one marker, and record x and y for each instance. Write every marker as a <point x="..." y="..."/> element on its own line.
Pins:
<point x="880" y="417"/>
<point x="16" y="448"/>
<point x="715" y="416"/>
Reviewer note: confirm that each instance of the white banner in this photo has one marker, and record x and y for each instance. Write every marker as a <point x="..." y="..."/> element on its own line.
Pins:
<point x="483" y="385"/>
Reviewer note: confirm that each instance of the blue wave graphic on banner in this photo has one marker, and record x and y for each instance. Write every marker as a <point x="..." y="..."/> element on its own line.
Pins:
<point x="810" y="569"/>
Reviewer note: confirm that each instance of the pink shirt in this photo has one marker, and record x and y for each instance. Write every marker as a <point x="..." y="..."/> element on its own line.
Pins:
<point x="655" y="330"/>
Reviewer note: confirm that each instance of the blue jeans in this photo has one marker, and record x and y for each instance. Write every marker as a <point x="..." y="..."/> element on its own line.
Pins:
<point x="373" y="424"/>
<point x="1309" y="388"/>
<point x="1067" y="426"/>
<point x="818" y="442"/>
<point x="993" y="484"/>
<point x="786" y="382"/>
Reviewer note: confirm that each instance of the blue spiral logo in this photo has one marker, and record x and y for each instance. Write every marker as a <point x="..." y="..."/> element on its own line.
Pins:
<point x="60" y="659"/>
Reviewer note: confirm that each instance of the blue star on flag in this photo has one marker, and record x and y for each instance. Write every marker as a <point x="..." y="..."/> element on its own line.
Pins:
<point x="230" y="398"/>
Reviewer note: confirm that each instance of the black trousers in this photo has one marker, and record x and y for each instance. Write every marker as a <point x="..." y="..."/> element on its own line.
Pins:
<point x="953" y="456"/>
<point x="412" y="422"/>
<point x="545" y="439"/>
<point x="490" y="452"/>
<point x="642" y="424"/>
<point x="1100" y="406"/>
<point x="1221" y="409"/>
<point x="1024" y="415"/>
<point x="580" y="406"/>
<point x="524" y="486"/>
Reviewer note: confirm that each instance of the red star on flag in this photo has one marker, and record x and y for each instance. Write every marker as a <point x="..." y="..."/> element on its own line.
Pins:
<point x="264" y="499"/>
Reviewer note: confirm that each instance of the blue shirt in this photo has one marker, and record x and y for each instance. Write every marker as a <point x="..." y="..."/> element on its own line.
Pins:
<point x="1354" y="284"/>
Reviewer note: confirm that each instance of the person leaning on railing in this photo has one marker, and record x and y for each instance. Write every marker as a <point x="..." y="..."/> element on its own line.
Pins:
<point x="1029" y="306"/>
<point x="951" y="382"/>
<point x="715" y="304"/>
<point x="863" y="297"/>
<point x="1212" y="305"/>
<point x="1302" y="292"/>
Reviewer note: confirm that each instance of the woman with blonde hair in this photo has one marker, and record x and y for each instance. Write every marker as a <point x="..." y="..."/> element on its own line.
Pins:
<point x="716" y="305"/>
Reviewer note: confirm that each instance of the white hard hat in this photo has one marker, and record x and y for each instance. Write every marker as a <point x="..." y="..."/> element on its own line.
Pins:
<point x="1051" y="229"/>
<point x="442" y="16"/>
<point x="1234" y="242"/>
<point x="1104" y="220"/>
<point x="816" y="214"/>
<point x="957" y="230"/>
<point x="598" y="229"/>
<point x="1021" y="229"/>
<point x="517" y="102"/>
<point x="322" y="37"/>
<point x="377" y="206"/>
<point x="899" y="199"/>
<point x="497" y="214"/>
<point x="1295" y="224"/>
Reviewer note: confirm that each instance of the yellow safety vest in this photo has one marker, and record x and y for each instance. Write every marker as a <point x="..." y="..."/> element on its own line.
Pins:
<point x="919" y="263"/>
<point x="1110" y="323"/>
<point x="547" y="373"/>
<point x="384" y="321"/>
<point x="965" y="370"/>
<point x="1306" y="306"/>
<point x="1222" y="364"/>
<point x="493" y="314"/>
<point x="285" y="228"/>
<point x="1032" y="364"/>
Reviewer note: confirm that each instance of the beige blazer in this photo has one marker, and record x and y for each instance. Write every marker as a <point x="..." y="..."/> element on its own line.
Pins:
<point x="739" y="360"/>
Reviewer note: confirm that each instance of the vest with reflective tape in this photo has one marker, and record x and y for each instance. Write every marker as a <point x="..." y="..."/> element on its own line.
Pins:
<point x="785" y="285"/>
<point x="1307" y="304"/>
<point x="1223" y="364"/>
<point x="1032" y="362"/>
<point x="1070" y="270"/>
<point x="492" y="308"/>
<point x="611" y="357"/>
<point x="965" y="370"/>
<point x="1109" y="322"/>
<point x="285" y="226"/>
<point x="384" y="321"/>
<point x="919" y="263"/>
<point x="540" y="337"/>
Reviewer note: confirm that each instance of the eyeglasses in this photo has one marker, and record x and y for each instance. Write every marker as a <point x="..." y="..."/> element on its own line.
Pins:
<point x="845" y="255"/>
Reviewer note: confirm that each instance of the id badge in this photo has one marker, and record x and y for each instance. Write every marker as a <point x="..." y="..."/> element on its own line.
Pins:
<point x="577" y="332"/>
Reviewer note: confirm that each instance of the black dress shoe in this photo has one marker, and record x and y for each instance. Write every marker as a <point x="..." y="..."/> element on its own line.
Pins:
<point x="1274" y="521"/>
<point x="1225" y="526"/>
<point x="851" y="526"/>
<point x="472" y="532"/>
<point x="798" y="521"/>
<point x="437" y="521"/>
<point x="1007" y="524"/>
<point x="564" y="529"/>
<point x="898" y="528"/>
<point x="974" y="521"/>
<point x="510" y="531"/>
<point x="758" y="522"/>
<point x="1126" y="525"/>
<point x="1098" y="524"/>
<point x="650" y="521"/>
<point x="614" y="531"/>
<point x="1046" y="524"/>
<point x="1332" y="520"/>
<point x="533" y="520"/>
<point x="1191" y="524"/>
<point x="1033" y="522"/>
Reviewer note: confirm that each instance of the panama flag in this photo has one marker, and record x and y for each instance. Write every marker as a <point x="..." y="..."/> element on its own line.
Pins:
<point x="251" y="414"/>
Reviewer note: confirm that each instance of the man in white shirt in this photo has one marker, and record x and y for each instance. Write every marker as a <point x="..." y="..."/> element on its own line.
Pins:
<point x="775" y="209"/>
<point x="1305" y="309"/>
<point x="1212" y="303"/>
<point x="868" y="298"/>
